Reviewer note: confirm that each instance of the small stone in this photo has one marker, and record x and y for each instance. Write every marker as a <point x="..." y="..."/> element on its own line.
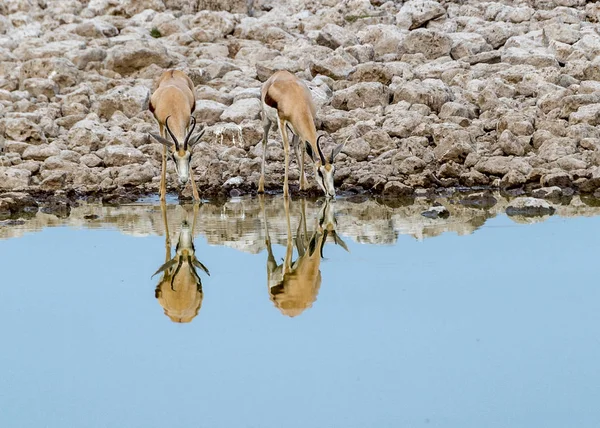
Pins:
<point x="529" y="207"/>
<point x="438" y="211"/>
<point x="553" y="192"/>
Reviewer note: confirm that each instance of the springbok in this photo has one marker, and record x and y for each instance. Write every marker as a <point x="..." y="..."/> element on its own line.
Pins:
<point x="172" y="104"/>
<point x="179" y="290"/>
<point x="294" y="285"/>
<point x="287" y="101"/>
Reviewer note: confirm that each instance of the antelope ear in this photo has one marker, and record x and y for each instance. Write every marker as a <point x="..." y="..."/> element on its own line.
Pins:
<point x="340" y="242"/>
<point x="196" y="138"/>
<point x="161" y="140"/>
<point x="166" y="266"/>
<point x="199" y="264"/>
<point x="336" y="150"/>
<point x="310" y="152"/>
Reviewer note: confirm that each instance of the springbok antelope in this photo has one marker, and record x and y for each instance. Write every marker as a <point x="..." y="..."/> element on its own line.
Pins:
<point x="294" y="285"/>
<point x="287" y="101"/>
<point x="179" y="290"/>
<point x="172" y="104"/>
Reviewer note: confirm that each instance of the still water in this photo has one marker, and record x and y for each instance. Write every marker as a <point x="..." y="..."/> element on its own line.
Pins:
<point x="477" y="320"/>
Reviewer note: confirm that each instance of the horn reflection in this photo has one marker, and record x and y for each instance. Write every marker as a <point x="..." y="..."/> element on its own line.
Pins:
<point x="179" y="290"/>
<point x="294" y="284"/>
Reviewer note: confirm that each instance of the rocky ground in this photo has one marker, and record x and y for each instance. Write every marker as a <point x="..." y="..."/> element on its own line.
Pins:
<point x="432" y="94"/>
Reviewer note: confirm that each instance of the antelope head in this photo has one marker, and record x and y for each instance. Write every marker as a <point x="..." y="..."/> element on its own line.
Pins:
<point x="327" y="226"/>
<point x="179" y="290"/>
<point x="324" y="167"/>
<point x="181" y="152"/>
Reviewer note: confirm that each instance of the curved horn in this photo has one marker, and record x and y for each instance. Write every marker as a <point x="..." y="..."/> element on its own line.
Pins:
<point x="320" y="151"/>
<point x="187" y="137"/>
<point x="323" y="242"/>
<point x="176" y="272"/>
<point x="170" y="133"/>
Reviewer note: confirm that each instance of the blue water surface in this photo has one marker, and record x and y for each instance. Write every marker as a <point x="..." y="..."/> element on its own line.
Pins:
<point x="494" y="329"/>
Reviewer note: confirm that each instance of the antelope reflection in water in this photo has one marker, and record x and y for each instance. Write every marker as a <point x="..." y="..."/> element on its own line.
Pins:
<point x="294" y="285"/>
<point x="179" y="290"/>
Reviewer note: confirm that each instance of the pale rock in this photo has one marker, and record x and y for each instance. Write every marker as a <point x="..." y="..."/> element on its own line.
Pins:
<point x="536" y="57"/>
<point x="432" y="92"/>
<point x="556" y="148"/>
<point x="527" y="207"/>
<point x="402" y="125"/>
<point x="517" y="123"/>
<point x="456" y="109"/>
<point x="362" y="53"/>
<point x="494" y="165"/>
<point x="381" y="72"/>
<point x="60" y="70"/>
<point x="510" y="144"/>
<point x="22" y="129"/>
<point x="561" y="32"/>
<point x="384" y="38"/>
<point x="133" y="7"/>
<point x="497" y="33"/>
<point x="126" y="99"/>
<point x="208" y="111"/>
<point x="91" y="160"/>
<point x="36" y="87"/>
<point x="135" y="175"/>
<point x="357" y="149"/>
<point x="40" y="152"/>
<point x="589" y="114"/>
<point x="589" y="43"/>
<point x="432" y="44"/>
<point x="95" y="28"/>
<point x="333" y="36"/>
<point x="121" y="156"/>
<point x="127" y="58"/>
<point x="81" y="58"/>
<point x="453" y="145"/>
<point x="468" y="44"/>
<point x="361" y="95"/>
<point x="553" y="192"/>
<point x="334" y="66"/>
<point x="208" y="26"/>
<point x="14" y="179"/>
<point x="248" y="108"/>
<point x="167" y="24"/>
<point x="512" y="179"/>
<point x="416" y="13"/>
<point x="410" y="165"/>
<point x="232" y="6"/>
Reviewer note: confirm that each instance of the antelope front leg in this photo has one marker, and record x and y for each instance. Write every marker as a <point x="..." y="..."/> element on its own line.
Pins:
<point x="266" y="127"/>
<point x="163" y="208"/>
<point x="289" y="248"/>
<point x="300" y="159"/>
<point x="163" y="175"/>
<point x="286" y="150"/>
<point x="194" y="188"/>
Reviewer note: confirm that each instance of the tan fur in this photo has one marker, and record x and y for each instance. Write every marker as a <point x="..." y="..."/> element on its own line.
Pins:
<point x="179" y="291"/>
<point x="181" y="303"/>
<point x="294" y="285"/>
<point x="174" y="98"/>
<point x="287" y="102"/>
<point x="294" y="104"/>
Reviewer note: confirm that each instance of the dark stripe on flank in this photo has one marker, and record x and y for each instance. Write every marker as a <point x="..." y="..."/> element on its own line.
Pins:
<point x="270" y="101"/>
<point x="151" y="107"/>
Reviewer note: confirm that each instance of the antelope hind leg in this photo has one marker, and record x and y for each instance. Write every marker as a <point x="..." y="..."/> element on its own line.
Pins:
<point x="266" y="128"/>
